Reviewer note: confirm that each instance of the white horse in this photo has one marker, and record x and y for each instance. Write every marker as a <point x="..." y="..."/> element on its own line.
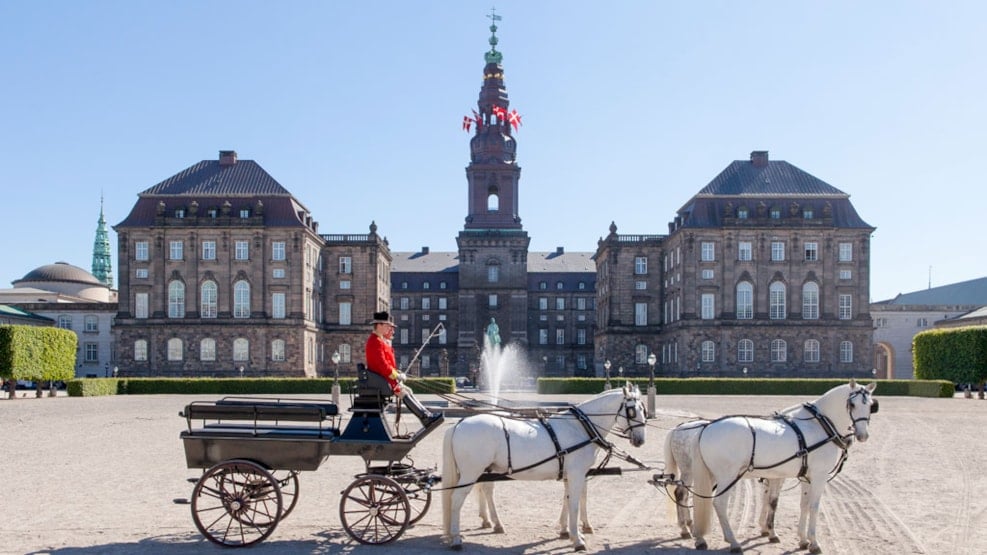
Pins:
<point x="562" y="446"/>
<point x="736" y="447"/>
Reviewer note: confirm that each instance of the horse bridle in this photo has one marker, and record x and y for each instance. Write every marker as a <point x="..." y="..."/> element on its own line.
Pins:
<point x="629" y="409"/>
<point x="849" y="406"/>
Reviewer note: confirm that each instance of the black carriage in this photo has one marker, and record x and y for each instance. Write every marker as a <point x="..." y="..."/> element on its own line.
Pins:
<point x="253" y="448"/>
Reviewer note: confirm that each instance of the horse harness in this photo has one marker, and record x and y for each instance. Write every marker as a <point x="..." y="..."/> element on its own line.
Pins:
<point x="593" y="437"/>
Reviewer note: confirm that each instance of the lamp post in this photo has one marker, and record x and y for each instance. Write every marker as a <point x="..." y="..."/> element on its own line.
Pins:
<point x="335" y="379"/>
<point x="745" y="371"/>
<point x="652" y="359"/>
<point x="241" y="370"/>
<point x="606" y="367"/>
<point x="116" y="370"/>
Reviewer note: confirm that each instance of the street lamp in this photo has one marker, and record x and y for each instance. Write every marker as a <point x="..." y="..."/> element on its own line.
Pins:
<point x="116" y="370"/>
<point x="241" y="370"/>
<point x="335" y="380"/>
<point x="745" y="371"/>
<point x="606" y="367"/>
<point x="652" y="359"/>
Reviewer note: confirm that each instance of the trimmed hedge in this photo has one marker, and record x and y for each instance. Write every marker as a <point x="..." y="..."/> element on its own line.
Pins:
<point x="746" y="386"/>
<point x="955" y="354"/>
<point x="233" y="386"/>
<point x="38" y="354"/>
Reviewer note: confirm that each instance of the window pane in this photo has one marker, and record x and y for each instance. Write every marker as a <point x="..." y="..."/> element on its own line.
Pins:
<point x="241" y="300"/>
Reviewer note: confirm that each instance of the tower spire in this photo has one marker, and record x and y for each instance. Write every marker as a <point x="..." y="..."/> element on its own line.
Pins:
<point x="102" y="267"/>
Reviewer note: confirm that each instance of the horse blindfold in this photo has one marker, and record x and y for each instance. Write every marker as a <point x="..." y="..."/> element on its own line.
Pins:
<point x="874" y="406"/>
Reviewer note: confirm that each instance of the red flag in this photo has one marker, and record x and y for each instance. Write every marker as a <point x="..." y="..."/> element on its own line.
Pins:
<point x="466" y="123"/>
<point x="515" y="119"/>
<point x="476" y="118"/>
<point x="499" y="112"/>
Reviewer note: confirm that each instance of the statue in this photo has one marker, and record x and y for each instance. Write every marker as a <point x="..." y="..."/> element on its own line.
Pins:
<point x="493" y="333"/>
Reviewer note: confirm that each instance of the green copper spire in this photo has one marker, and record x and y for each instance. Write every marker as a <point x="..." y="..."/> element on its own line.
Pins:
<point x="493" y="57"/>
<point x="102" y="265"/>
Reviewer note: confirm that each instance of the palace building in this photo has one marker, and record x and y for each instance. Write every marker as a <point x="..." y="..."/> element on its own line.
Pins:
<point x="764" y="271"/>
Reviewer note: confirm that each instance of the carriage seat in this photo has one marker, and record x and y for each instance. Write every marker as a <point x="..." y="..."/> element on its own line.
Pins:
<point x="373" y="392"/>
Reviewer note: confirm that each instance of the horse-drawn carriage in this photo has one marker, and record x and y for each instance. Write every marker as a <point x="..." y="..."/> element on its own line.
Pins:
<point x="253" y="448"/>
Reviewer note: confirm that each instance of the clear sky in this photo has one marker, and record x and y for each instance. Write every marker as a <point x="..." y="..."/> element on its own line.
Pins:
<point x="628" y="108"/>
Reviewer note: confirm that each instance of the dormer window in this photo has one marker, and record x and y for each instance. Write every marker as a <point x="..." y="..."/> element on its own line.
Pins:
<point x="742" y="213"/>
<point x="212" y="212"/>
<point x="244" y="213"/>
<point x="807" y="214"/>
<point x="776" y="213"/>
<point x="180" y="213"/>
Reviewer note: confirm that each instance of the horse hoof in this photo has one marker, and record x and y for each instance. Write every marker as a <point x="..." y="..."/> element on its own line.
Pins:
<point x="803" y="545"/>
<point x="587" y="529"/>
<point x="580" y="548"/>
<point x="736" y="549"/>
<point x="815" y="549"/>
<point x="457" y="547"/>
<point x="498" y="529"/>
<point x="701" y="546"/>
<point x="774" y="539"/>
<point x="563" y="534"/>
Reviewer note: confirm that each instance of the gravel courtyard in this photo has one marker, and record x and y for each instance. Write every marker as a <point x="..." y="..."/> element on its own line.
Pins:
<point x="101" y="475"/>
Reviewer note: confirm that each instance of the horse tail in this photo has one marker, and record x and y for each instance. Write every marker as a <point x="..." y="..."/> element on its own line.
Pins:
<point x="450" y="478"/>
<point x="671" y="469"/>
<point x="702" y="498"/>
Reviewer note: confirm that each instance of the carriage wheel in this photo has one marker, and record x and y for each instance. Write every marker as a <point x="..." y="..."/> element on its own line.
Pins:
<point x="374" y="510"/>
<point x="288" y="482"/>
<point x="236" y="503"/>
<point x="419" y="498"/>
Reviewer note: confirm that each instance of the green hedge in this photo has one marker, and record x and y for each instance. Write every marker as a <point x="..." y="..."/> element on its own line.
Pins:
<point x="955" y="354"/>
<point x="746" y="386"/>
<point x="38" y="354"/>
<point x="232" y="386"/>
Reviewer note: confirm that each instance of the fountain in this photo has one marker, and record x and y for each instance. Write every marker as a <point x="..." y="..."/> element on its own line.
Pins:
<point x="501" y="366"/>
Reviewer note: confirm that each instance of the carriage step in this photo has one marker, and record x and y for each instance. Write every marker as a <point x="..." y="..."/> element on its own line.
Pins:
<point x="181" y="501"/>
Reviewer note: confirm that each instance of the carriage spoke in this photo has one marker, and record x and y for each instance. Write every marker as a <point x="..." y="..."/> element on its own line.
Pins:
<point x="247" y="499"/>
<point x="374" y="510"/>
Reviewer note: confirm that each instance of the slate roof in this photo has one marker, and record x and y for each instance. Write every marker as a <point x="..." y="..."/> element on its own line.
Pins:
<point x="538" y="262"/>
<point x="771" y="184"/>
<point x="555" y="262"/>
<point x="431" y="262"/>
<point x="211" y="184"/>
<point x="971" y="292"/>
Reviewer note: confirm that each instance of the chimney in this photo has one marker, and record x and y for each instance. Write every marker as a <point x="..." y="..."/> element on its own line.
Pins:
<point x="227" y="157"/>
<point x="559" y="250"/>
<point x="424" y="250"/>
<point x="759" y="158"/>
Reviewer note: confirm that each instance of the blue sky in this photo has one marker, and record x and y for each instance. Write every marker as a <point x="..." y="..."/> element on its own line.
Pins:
<point x="629" y="108"/>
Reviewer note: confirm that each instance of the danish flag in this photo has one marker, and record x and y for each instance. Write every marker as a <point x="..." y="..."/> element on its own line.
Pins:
<point x="499" y="112"/>
<point x="515" y="119"/>
<point x="466" y="123"/>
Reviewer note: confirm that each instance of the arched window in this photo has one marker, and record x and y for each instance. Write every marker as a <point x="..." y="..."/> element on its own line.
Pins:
<point x="207" y="349"/>
<point x="811" y="350"/>
<point x="209" y="300"/>
<point x="709" y="351"/>
<point x="241" y="299"/>
<point x="493" y="202"/>
<point x="175" y="349"/>
<point x="745" y="350"/>
<point x="745" y="300"/>
<point x="810" y="301"/>
<point x="241" y="349"/>
<point x="176" y="299"/>
<point x="776" y="300"/>
<point x="140" y="350"/>
<point x="277" y="350"/>
<point x="779" y="350"/>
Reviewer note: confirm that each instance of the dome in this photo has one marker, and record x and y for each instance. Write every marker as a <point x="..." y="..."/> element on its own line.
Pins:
<point x="59" y="271"/>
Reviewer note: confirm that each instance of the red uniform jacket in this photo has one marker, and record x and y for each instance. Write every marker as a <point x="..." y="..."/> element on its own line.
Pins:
<point x="380" y="360"/>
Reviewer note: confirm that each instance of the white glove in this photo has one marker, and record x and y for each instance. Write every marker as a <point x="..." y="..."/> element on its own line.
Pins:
<point x="402" y="376"/>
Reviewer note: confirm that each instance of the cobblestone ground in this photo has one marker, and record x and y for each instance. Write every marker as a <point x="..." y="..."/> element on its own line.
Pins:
<point x="101" y="475"/>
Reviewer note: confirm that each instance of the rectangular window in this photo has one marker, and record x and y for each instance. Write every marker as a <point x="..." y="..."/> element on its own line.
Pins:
<point x="404" y="336"/>
<point x="242" y="250"/>
<point x="846" y="351"/>
<point x="580" y="303"/>
<point x="811" y="252"/>
<point x="277" y="250"/>
<point x="426" y="303"/>
<point x="345" y="264"/>
<point x="404" y="303"/>
<point x="277" y="305"/>
<point x="493" y="273"/>
<point x="277" y="350"/>
<point x="812" y="351"/>
<point x="709" y="306"/>
<point x="581" y="336"/>
<point x="492" y="301"/>
<point x="140" y="350"/>
<point x="140" y="305"/>
<point x="140" y="273"/>
<point x="846" y="274"/>
<point x="559" y="303"/>
<point x="846" y="252"/>
<point x="345" y="314"/>
<point x="345" y="284"/>
<point x="207" y="350"/>
<point x="640" y="265"/>
<point x="709" y="351"/>
<point x="92" y="352"/>
<point x="640" y="285"/>
<point x="426" y="361"/>
<point x="543" y="336"/>
<point x="560" y="336"/>
<point x="244" y="213"/>
<point x="707" y="274"/>
<point x="640" y="314"/>
<point x="708" y="252"/>
<point x="779" y="351"/>
<point x="91" y="324"/>
<point x="745" y="350"/>
<point x="846" y="307"/>
<point x="209" y="250"/>
<point x="278" y="273"/>
<point x="744" y="251"/>
<point x="141" y="250"/>
<point x="175" y="250"/>
<point x="542" y="303"/>
<point x="443" y="303"/>
<point x="777" y="251"/>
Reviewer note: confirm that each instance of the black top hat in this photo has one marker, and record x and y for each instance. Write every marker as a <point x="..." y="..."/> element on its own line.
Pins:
<point x="382" y="318"/>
